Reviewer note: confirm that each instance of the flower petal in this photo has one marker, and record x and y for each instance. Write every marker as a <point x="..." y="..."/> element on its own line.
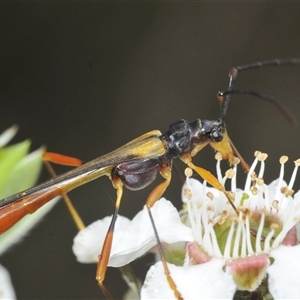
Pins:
<point x="298" y="231"/>
<point x="6" y="288"/>
<point x="138" y="238"/>
<point x="205" y="281"/>
<point x="284" y="273"/>
<point x="7" y="135"/>
<point x="133" y="238"/>
<point x="88" y="242"/>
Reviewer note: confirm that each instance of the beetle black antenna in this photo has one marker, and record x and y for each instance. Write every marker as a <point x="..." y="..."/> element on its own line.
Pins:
<point x="281" y="108"/>
<point x="225" y="96"/>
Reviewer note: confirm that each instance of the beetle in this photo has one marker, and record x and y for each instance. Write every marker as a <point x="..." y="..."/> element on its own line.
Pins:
<point x="135" y="165"/>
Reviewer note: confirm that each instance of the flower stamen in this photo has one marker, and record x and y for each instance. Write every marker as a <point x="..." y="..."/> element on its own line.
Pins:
<point x="218" y="158"/>
<point x="259" y="234"/>
<point x="292" y="181"/>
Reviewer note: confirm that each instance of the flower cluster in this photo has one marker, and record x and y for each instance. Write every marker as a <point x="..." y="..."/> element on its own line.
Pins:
<point x="244" y="240"/>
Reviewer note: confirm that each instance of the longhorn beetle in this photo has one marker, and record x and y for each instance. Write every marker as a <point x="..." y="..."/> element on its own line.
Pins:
<point x="136" y="164"/>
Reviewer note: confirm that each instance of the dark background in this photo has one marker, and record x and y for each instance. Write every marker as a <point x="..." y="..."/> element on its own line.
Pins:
<point x="85" y="78"/>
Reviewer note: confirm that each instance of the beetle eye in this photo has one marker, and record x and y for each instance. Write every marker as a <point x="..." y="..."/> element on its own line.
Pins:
<point x="216" y="135"/>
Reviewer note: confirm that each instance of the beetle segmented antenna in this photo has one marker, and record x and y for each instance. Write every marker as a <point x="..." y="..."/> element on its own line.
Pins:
<point x="281" y="108"/>
<point x="224" y="97"/>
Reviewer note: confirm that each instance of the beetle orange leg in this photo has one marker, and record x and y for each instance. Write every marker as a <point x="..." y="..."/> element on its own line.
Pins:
<point x="154" y="196"/>
<point x="70" y="161"/>
<point x="106" y="248"/>
<point x="62" y="159"/>
<point x="209" y="177"/>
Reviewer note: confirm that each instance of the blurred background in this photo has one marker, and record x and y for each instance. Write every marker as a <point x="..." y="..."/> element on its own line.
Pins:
<point x="85" y="78"/>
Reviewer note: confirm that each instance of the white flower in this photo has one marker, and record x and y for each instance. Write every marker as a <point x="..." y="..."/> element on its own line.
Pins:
<point x="6" y="287"/>
<point x="133" y="238"/>
<point x="229" y="247"/>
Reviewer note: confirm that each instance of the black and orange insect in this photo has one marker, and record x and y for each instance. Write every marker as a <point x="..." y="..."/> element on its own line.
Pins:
<point x="136" y="164"/>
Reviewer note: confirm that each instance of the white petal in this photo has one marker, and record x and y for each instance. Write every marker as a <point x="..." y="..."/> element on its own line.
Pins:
<point x="139" y="237"/>
<point x="6" y="288"/>
<point x="88" y="242"/>
<point x="284" y="273"/>
<point x="205" y="281"/>
<point x="297" y="196"/>
<point x="298" y="231"/>
<point x="7" y="135"/>
<point x="133" y="238"/>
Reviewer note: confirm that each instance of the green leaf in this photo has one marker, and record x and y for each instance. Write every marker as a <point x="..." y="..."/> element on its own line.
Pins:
<point x="9" y="157"/>
<point x="22" y="175"/>
<point x="19" y="171"/>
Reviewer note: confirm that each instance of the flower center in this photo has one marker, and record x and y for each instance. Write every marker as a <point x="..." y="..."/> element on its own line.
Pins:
<point x="264" y="218"/>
